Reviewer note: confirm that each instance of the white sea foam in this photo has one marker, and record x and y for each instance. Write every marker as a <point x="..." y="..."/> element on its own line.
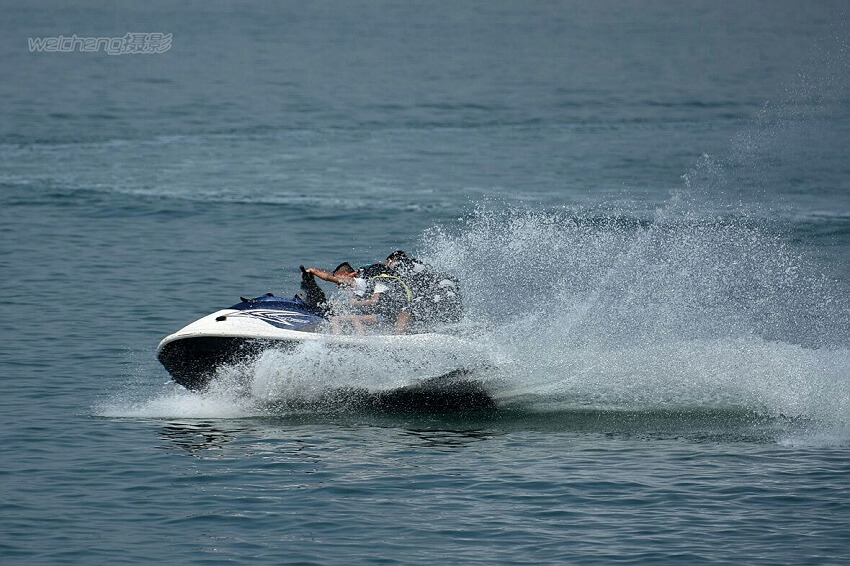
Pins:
<point x="176" y="402"/>
<point x="313" y="369"/>
<point x="677" y="311"/>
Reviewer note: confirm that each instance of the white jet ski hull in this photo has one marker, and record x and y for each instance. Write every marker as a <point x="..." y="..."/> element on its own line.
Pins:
<point x="193" y="354"/>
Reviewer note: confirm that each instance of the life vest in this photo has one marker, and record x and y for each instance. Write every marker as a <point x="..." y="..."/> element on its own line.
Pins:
<point x="392" y="302"/>
<point x="429" y="296"/>
<point x="407" y="291"/>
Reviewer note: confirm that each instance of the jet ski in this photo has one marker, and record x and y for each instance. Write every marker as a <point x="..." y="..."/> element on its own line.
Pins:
<point x="193" y="354"/>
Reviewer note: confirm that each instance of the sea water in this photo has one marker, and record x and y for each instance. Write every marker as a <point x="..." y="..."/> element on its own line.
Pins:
<point x="646" y="205"/>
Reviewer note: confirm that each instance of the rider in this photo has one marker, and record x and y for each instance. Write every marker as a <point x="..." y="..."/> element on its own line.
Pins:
<point x="378" y="296"/>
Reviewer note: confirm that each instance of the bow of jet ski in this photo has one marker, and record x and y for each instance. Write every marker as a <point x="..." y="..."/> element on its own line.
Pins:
<point x="192" y="354"/>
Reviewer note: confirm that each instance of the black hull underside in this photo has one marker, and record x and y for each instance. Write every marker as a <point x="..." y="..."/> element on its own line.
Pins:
<point x="192" y="362"/>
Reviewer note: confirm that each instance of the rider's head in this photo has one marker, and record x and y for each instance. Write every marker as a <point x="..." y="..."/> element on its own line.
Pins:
<point x="344" y="269"/>
<point x="397" y="256"/>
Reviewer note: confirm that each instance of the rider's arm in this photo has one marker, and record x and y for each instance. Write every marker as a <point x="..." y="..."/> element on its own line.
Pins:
<point x="324" y="275"/>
